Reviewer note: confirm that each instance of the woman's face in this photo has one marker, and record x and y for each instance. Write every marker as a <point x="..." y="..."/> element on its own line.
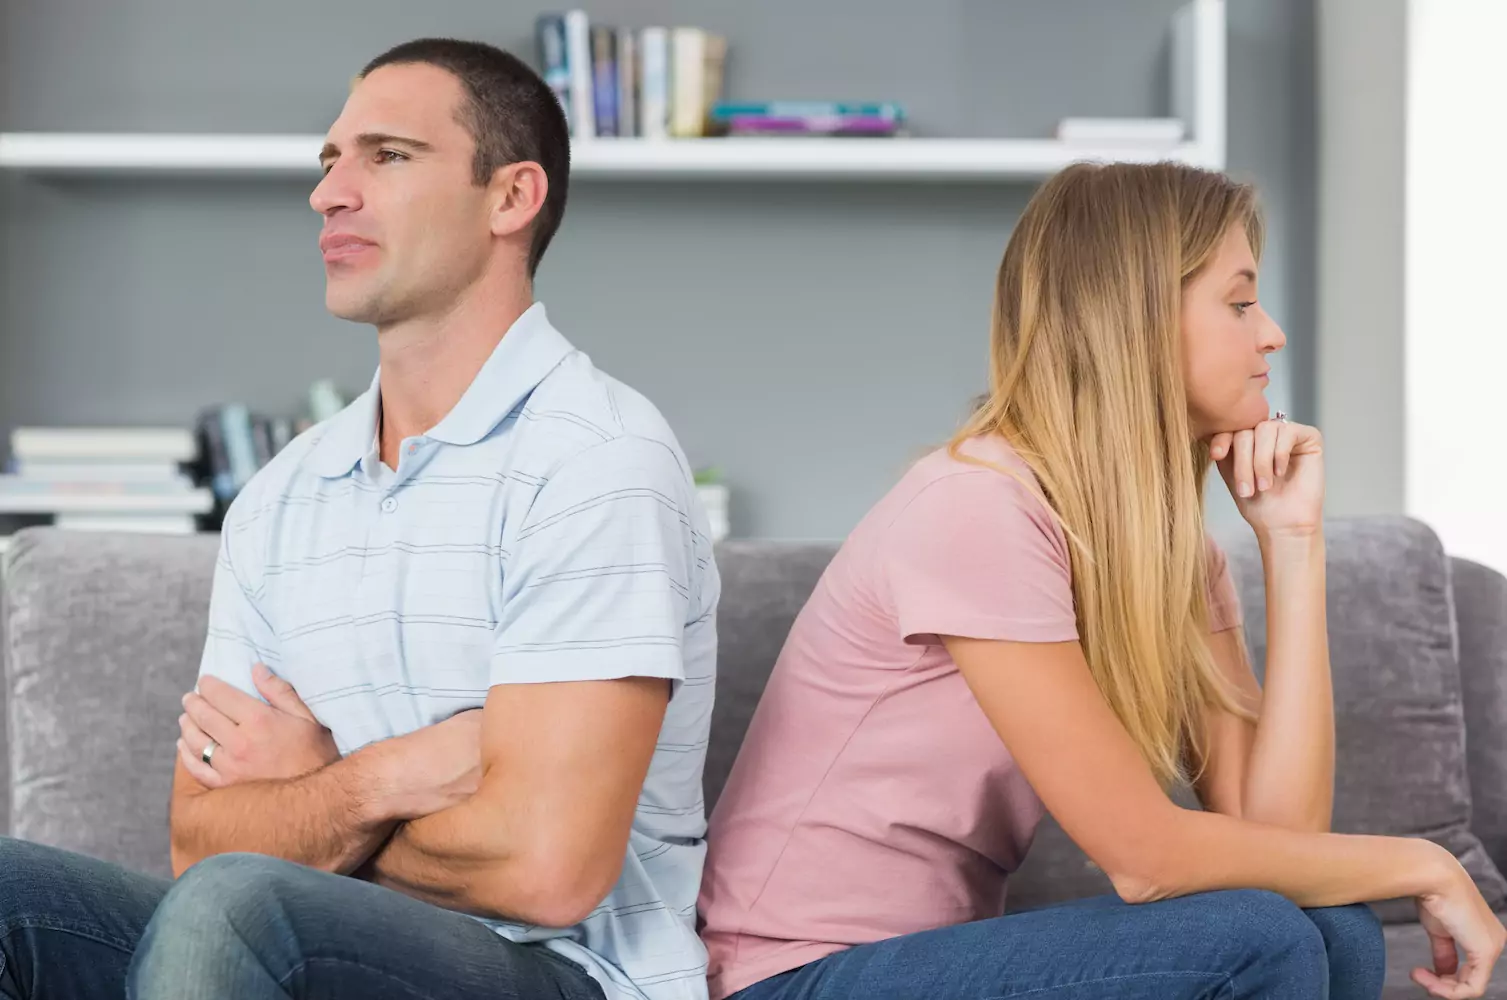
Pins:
<point x="1226" y="338"/>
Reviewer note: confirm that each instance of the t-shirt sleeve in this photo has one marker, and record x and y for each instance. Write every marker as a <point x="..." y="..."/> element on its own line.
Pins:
<point x="975" y="554"/>
<point x="239" y="635"/>
<point x="598" y="583"/>
<point x="1224" y="599"/>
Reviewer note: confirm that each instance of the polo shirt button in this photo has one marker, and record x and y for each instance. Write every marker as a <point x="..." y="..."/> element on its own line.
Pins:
<point x="389" y="505"/>
<point x="413" y="449"/>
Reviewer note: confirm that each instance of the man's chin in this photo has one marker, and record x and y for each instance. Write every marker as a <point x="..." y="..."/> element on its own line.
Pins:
<point x="356" y="309"/>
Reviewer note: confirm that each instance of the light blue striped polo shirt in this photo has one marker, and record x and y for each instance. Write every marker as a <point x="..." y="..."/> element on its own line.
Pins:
<point x="547" y="529"/>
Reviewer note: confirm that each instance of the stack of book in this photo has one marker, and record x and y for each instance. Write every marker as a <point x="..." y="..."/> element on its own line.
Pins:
<point x="814" y="118"/>
<point x="653" y="83"/>
<point x="1149" y="133"/>
<point x="104" y="479"/>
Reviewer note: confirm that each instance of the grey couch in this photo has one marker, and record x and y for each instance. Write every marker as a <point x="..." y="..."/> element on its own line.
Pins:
<point x="101" y="634"/>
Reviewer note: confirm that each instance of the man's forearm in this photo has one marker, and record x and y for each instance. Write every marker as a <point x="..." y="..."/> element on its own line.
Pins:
<point x="1290" y="781"/>
<point x="438" y="859"/>
<point x="326" y="819"/>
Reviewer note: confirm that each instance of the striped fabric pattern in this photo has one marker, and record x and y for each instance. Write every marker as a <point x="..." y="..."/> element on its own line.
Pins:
<point x="546" y="530"/>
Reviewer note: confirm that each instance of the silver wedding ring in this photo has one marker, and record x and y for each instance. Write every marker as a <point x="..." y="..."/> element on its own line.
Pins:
<point x="209" y="752"/>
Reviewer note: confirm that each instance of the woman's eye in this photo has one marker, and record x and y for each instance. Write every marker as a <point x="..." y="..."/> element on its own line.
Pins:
<point x="1241" y="307"/>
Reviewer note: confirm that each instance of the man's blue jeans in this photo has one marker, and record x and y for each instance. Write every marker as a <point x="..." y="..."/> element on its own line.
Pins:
<point x="1236" y="945"/>
<point x="248" y="927"/>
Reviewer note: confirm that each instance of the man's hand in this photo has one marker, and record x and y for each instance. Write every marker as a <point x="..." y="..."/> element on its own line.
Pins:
<point x="255" y="741"/>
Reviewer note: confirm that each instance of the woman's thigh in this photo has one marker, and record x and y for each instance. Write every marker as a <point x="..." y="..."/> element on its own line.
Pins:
<point x="1237" y="945"/>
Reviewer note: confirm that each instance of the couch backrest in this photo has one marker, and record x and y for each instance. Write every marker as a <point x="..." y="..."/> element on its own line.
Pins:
<point x="101" y="634"/>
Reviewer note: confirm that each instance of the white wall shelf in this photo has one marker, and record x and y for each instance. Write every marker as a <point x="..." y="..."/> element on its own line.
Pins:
<point x="1198" y="98"/>
<point x="602" y="159"/>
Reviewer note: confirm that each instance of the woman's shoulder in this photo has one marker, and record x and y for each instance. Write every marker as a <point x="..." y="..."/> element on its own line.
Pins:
<point x="979" y="465"/>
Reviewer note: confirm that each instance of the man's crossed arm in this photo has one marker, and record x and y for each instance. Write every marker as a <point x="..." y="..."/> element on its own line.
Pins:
<point x="521" y="810"/>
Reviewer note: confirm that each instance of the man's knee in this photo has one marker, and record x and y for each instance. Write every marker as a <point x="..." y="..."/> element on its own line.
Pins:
<point x="225" y="907"/>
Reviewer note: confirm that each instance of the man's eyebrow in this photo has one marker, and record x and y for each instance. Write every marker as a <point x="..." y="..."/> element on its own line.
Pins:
<point x="371" y="140"/>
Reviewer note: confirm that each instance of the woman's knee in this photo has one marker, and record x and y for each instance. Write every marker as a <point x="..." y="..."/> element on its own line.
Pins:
<point x="1275" y="932"/>
<point x="1356" y="947"/>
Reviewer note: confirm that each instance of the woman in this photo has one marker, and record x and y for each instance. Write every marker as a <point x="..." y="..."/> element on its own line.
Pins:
<point x="1033" y="618"/>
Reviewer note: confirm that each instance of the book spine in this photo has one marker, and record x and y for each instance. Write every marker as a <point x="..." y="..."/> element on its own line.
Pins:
<point x="583" y="122"/>
<point x="604" y="78"/>
<point x="261" y="440"/>
<point x="216" y="459"/>
<point x="654" y="53"/>
<point x="235" y="422"/>
<point x="549" y="31"/>
<point x="809" y="109"/>
<point x="688" y="79"/>
<point x="627" y="82"/>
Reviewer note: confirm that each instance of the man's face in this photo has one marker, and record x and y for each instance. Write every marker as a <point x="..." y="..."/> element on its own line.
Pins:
<point x="406" y="229"/>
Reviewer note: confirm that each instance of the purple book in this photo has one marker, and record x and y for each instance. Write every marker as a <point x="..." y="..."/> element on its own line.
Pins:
<point x="810" y="125"/>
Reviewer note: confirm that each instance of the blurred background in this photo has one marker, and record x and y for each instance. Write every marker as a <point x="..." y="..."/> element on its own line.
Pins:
<point x="809" y="322"/>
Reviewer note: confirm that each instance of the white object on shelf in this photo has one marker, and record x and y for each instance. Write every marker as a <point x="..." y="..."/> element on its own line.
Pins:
<point x="117" y="444"/>
<point x="714" y="502"/>
<point x="1198" y="99"/>
<point x="184" y="502"/>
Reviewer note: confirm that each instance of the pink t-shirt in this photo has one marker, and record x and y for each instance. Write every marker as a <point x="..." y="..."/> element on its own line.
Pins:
<point x="871" y="797"/>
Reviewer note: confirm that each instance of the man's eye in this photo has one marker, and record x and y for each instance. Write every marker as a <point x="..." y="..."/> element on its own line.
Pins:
<point x="389" y="156"/>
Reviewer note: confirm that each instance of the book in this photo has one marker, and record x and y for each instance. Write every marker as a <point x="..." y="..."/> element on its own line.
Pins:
<point x="687" y="82"/>
<point x="240" y="448"/>
<point x="723" y="110"/>
<point x="627" y="82"/>
<point x="549" y="32"/>
<point x="604" y="78"/>
<point x="854" y="125"/>
<point x="1111" y="131"/>
<point x="715" y="53"/>
<point x="177" y="502"/>
<point x="167" y="444"/>
<point x="28" y="488"/>
<point x="583" y="123"/>
<point x="214" y="461"/>
<point x="654" y="83"/>
<point x="95" y="472"/>
<point x="154" y="524"/>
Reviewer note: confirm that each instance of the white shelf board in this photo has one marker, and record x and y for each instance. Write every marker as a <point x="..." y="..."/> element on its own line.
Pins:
<point x="625" y="159"/>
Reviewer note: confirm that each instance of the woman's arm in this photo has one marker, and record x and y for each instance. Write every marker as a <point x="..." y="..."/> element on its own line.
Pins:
<point x="1278" y="770"/>
<point x="1042" y="700"/>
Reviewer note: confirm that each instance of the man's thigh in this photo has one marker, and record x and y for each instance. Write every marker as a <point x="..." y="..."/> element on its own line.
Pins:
<point x="249" y="926"/>
<point x="68" y="923"/>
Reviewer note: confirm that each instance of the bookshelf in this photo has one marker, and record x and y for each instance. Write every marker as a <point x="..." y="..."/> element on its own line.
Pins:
<point x="1198" y="96"/>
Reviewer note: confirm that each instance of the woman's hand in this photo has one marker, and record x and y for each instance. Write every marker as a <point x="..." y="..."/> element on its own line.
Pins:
<point x="1456" y="915"/>
<point x="1275" y="471"/>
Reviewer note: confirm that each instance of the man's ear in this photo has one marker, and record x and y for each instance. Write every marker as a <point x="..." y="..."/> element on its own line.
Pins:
<point x="517" y="191"/>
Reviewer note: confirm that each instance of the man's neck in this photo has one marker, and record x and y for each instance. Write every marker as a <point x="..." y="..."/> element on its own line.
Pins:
<point x="430" y="362"/>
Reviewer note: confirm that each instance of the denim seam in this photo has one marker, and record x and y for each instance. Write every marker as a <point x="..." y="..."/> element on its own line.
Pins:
<point x="1042" y="990"/>
<point x="77" y="930"/>
<point x="333" y="960"/>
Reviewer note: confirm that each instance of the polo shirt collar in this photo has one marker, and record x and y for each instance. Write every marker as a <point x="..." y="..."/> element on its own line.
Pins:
<point x="528" y="352"/>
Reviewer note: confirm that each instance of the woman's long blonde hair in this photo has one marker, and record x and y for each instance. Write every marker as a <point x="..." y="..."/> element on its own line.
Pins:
<point x="1086" y="383"/>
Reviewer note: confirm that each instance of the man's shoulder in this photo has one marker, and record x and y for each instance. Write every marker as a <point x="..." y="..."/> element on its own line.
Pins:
<point x="580" y="415"/>
<point x="286" y="477"/>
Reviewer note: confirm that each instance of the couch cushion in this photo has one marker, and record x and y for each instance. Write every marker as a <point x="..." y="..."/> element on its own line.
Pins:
<point x="1481" y="613"/>
<point x="764" y="586"/>
<point x="1408" y="949"/>
<point x="1399" y="723"/>
<point x="104" y="637"/>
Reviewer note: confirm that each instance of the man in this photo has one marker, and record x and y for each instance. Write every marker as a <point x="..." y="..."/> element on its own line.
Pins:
<point x="494" y="525"/>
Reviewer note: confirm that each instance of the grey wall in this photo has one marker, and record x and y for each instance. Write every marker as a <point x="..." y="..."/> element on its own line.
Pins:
<point x="1362" y="161"/>
<point x="807" y="338"/>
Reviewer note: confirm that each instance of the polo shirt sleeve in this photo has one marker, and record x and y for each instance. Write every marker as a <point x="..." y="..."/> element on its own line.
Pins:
<point x="597" y="583"/>
<point x="239" y="636"/>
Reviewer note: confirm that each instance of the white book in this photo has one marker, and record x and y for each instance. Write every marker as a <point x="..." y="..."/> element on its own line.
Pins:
<point x="1112" y="131"/>
<point x="583" y="112"/>
<point x="654" y="93"/>
<point x="101" y="472"/>
<point x="162" y="444"/>
<point x="687" y="82"/>
<point x="181" y="524"/>
<point x="183" y="502"/>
